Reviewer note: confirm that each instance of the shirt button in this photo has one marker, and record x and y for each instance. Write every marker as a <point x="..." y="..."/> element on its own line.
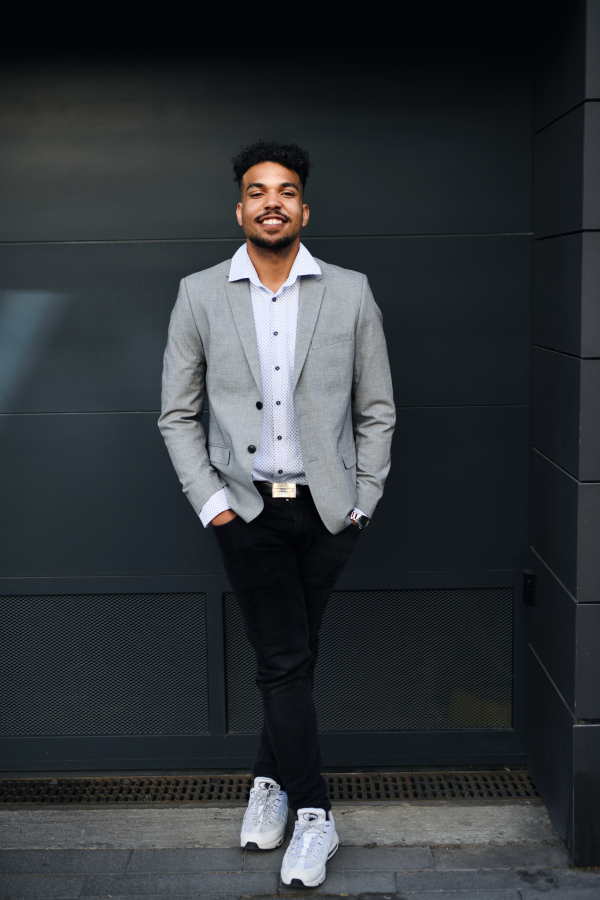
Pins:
<point x="251" y="448"/>
<point x="280" y="471"/>
<point x="274" y="299"/>
<point x="278" y="437"/>
<point x="278" y="403"/>
<point x="258" y="404"/>
<point x="277" y="368"/>
<point x="275" y="333"/>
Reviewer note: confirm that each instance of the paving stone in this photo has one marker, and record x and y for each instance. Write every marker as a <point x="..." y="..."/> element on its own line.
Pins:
<point x="351" y="883"/>
<point x="264" y="860"/>
<point x="579" y="878"/>
<point x="475" y="879"/>
<point x="435" y="895"/>
<point x="560" y="894"/>
<point x="351" y="859"/>
<point x="380" y="859"/>
<point x="63" y="862"/>
<point x="194" y="896"/>
<point x="506" y="857"/>
<point x="48" y="887"/>
<point x="406" y="824"/>
<point x="177" y="861"/>
<point x="185" y="882"/>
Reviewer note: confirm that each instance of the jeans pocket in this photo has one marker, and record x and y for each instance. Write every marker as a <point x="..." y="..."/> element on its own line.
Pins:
<point x="225" y="524"/>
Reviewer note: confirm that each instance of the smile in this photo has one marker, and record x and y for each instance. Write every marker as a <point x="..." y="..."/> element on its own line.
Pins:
<point x="272" y="222"/>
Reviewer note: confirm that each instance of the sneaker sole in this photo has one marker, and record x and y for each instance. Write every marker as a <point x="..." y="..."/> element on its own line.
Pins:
<point x="297" y="882"/>
<point x="252" y="845"/>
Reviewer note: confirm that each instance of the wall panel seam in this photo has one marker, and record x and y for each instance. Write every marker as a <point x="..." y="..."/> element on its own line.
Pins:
<point x="550" y="679"/>
<point x="559" y="234"/>
<point x="553" y="573"/>
<point x="563" y="352"/>
<point x="566" y="113"/>
<point x="237" y="240"/>
<point x="156" y="412"/>
<point x="561" y="468"/>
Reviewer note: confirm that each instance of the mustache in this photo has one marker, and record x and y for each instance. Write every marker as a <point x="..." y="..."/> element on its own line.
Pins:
<point x="273" y="216"/>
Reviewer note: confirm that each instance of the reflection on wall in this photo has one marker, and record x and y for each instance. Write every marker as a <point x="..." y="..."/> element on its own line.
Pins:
<point x="28" y="320"/>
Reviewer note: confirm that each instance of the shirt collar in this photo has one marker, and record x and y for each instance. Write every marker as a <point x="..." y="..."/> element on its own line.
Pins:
<point x="242" y="267"/>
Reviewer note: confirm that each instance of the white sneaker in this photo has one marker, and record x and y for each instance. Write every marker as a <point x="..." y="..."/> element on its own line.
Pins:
<point x="265" y="818"/>
<point x="314" y="841"/>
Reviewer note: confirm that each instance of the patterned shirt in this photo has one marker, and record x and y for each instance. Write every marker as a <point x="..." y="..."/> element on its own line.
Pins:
<point x="275" y="318"/>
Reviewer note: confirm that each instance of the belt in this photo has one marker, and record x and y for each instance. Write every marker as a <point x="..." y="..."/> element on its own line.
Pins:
<point x="283" y="490"/>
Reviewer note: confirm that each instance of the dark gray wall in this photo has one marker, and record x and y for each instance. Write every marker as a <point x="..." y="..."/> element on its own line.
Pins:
<point x="564" y="627"/>
<point x="116" y="182"/>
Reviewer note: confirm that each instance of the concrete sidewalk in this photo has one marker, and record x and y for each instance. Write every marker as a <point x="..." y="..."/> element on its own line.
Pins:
<point x="465" y="850"/>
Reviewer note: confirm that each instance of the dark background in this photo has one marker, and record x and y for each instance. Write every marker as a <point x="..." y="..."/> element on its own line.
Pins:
<point x="116" y="183"/>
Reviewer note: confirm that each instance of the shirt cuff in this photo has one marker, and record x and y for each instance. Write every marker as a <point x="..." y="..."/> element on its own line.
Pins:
<point x="356" y="510"/>
<point x="213" y="506"/>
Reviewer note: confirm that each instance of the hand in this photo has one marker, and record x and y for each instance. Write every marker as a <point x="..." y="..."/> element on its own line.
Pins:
<point x="226" y="516"/>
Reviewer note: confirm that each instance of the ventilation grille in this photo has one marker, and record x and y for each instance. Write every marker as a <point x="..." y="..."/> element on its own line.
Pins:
<point x="103" y="664"/>
<point x="236" y="788"/>
<point x="395" y="661"/>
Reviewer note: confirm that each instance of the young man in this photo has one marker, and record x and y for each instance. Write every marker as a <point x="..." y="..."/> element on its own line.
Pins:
<point x="291" y="353"/>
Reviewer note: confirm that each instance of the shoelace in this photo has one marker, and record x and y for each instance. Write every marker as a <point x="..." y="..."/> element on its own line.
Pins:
<point x="263" y="805"/>
<point x="315" y="832"/>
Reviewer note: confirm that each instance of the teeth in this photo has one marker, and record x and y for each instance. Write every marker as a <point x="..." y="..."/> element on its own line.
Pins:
<point x="271" y="221"/>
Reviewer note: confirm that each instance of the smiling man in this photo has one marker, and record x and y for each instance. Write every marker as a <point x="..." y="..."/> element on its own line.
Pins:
<point x="291" y="353"/>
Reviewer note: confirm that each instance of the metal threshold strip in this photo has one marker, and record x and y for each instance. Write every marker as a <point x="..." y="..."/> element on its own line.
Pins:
<point x="175" y="789"/>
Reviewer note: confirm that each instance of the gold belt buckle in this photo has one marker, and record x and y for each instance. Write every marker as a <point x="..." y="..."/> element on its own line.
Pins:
<point x="283" y="489"/>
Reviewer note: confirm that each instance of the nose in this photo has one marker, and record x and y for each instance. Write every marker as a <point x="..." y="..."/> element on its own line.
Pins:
<point x="272" y="200"/>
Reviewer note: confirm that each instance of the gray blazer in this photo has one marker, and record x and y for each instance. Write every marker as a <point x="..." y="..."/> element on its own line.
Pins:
<point x="343" y="399"/>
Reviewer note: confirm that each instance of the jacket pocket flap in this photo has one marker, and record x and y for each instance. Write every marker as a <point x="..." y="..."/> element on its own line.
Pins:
<point x="325" y="340"/>
<point x="349" y="457"/>
<point x="219" y="454"/>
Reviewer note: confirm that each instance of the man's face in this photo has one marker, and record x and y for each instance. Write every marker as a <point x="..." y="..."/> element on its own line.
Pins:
<point x="271" y="211"/>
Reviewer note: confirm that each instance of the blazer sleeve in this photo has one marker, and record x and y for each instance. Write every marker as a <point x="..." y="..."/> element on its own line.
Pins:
<point x="183" y="392"/>
<point x="373" y="409"/>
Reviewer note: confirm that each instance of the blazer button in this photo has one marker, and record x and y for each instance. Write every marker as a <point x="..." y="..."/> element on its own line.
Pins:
<point x="251" y="449"/>
<point x="259" y="405"/>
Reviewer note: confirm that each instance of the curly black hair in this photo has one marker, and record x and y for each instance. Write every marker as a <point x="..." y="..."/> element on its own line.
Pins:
<point x="289" y="155"/>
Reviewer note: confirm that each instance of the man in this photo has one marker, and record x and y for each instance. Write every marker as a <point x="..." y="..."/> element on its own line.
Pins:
<point x="291" y="353"/>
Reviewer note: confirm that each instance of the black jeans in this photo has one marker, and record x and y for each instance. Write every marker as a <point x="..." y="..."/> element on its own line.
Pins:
<point x="282" y="567"/>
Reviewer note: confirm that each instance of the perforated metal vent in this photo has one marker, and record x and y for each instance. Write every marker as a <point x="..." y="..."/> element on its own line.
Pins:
<point x="95" y="664"/>
<point x="396" y="660"/>
<point x="236" y="788"/>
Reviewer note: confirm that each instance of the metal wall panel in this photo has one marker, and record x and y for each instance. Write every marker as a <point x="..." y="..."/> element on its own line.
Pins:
<point x="103" y="664"/>
<point x="420" y="660"/>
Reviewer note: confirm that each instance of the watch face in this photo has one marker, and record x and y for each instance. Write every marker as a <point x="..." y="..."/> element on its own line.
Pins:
<point x="360" y="521"/>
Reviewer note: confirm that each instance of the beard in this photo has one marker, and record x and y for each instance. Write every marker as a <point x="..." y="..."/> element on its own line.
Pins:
<point x="278" y="243"/>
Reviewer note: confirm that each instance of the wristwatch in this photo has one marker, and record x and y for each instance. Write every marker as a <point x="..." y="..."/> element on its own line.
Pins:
<point x="359" y="520"/>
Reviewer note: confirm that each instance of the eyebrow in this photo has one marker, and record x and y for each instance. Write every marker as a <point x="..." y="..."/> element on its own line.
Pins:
<point x="258" y="184"/>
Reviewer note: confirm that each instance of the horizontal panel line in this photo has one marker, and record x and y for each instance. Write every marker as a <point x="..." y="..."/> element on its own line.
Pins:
<point x="316" y="237"/>
<point x="402" y="573"/>
<point x="156" y="412"/>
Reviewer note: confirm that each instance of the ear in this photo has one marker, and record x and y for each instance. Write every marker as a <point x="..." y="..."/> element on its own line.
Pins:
<point x="238" y="214"/>
<point x="305" y="214"/>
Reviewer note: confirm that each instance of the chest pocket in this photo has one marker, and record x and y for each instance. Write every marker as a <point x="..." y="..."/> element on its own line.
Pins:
<point x="326" y="340"/>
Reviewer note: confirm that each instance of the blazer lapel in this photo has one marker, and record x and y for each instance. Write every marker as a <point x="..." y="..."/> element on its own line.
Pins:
<point x="240" y="302"/>
<point x="311" y="295"/>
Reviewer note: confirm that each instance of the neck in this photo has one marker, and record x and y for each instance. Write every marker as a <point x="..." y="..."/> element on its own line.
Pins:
<point x="273" y="266"/>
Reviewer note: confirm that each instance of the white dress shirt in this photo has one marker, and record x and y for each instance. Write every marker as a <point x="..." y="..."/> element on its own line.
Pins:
<point x="275" y="318"/>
